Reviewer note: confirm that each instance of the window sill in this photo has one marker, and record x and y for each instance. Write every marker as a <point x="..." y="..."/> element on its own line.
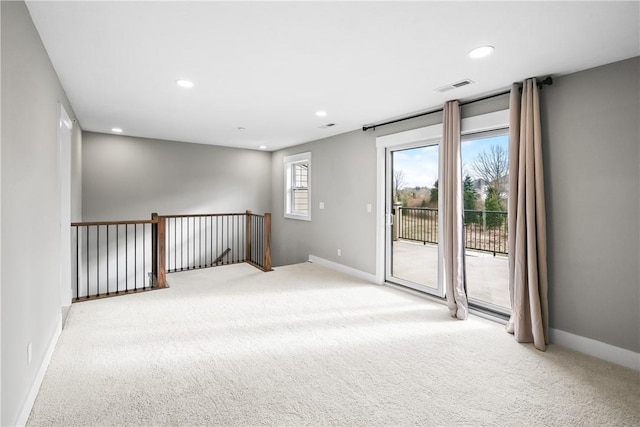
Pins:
<point x="298" y="217"/>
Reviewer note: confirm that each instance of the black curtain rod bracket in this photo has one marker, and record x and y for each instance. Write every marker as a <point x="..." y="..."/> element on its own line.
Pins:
<point x="547" y="81"/>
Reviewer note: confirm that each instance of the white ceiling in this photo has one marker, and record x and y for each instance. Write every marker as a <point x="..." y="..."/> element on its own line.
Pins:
<point x="269" y="66"/>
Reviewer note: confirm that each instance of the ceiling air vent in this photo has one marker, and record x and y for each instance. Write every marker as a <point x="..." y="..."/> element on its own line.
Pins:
<point x="455" y="85"/>
<point x="327" y="126"/>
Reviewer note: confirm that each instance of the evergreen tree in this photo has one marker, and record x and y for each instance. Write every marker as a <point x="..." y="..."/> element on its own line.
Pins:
<point x="403" y="199"/>
<point x="433" y="200"/>
<point x="470" y="201"/>
<point x="491" y="205"/>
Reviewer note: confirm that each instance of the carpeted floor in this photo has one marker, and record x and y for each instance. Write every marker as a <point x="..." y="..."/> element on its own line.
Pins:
<point x="304" y="345"/>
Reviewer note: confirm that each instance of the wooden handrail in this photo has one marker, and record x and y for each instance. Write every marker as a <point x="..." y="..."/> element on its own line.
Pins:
<point x="99" y="223"/>
<point x="222" y="255"/>
<point x="201" y="215"/>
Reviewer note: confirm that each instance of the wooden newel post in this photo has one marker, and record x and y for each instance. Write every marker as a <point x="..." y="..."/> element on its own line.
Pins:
<point x="154" y="249"/>
<point x="247" y="246"/>
<point x="162" y="271"/>
<point x="267" y="239"/>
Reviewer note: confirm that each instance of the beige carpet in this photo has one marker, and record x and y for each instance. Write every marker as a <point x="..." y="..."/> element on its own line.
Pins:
<point x="304" y="345"/>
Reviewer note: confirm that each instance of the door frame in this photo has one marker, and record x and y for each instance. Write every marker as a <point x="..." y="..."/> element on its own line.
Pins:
<point x="64" y="137"/>
<point x="416" y="137"/>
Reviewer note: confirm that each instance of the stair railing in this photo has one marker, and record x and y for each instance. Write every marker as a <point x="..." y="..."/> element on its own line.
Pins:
<point x="116" y="257"/>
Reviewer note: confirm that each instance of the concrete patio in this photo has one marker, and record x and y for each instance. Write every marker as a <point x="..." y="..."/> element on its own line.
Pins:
<point x="487" y="275"/>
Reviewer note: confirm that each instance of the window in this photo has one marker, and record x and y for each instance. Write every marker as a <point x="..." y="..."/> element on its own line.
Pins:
<point x="297" y="176"/>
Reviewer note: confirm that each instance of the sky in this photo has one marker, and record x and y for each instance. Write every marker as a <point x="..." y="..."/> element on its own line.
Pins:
<point x="420" y="165"/>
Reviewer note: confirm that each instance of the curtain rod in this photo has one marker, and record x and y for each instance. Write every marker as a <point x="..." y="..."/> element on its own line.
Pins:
<point x="545" y="81"/>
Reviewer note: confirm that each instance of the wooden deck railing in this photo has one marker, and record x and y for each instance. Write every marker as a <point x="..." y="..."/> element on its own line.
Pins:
<point x="114" y="257"/>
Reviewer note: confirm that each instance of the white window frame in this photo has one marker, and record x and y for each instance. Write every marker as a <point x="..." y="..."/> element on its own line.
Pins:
<point x="289" y="179"/>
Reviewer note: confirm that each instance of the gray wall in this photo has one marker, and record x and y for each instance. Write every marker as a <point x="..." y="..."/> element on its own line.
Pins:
<point x="30" y="207"/>
<point x="592" y="166"/>
<point x="130" y="178"/>
<point x="343" y="176"/>
<point x="1" y="419"/>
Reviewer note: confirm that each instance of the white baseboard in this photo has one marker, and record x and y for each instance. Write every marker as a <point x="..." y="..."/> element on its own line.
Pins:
<point x="343" y="269"/>
<point x="37" y="382"/>
<point x="608" y="352"/>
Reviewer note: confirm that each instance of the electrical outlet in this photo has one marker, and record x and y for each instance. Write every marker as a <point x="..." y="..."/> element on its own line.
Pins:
<point x="29" y="353"/>
<point x="369" y="207"/>
<point x="339" y="252"/>
<point x="321" y="205"/>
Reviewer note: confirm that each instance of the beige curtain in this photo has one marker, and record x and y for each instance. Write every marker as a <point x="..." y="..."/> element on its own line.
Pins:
<point x="527" y="222"/>
<point x="452" y="211"/>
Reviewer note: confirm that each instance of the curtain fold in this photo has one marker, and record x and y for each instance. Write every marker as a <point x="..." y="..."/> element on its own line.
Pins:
<point x="452" y="211"/>
<point x="527" y="220"/>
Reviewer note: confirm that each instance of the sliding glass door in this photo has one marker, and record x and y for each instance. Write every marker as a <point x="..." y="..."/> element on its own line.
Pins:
<point x="410" y="164"/>
<point x="412" y="220"/>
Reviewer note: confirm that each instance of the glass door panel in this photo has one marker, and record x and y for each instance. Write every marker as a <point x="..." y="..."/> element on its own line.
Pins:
<point x="413" y="221"/>
<point x="485" y="159"/>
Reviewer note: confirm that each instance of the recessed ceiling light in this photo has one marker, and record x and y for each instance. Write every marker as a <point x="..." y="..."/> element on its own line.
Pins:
<point x="321" y="113"/>
<point x="241" y="129"/>
<point x="184" y="83"/>
<point x="116" y="130"/>
<point x="481" y="52"/>
<point x="263" y="147"/>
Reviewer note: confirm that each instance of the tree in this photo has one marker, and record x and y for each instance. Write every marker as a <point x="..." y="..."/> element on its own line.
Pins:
<point x="492" y="205"/>
<point x="433" y="199"/>
<point x="403" y="199"/>
<point x="492" y="165"/>
<point x="398" y="183"/>
<point x="470" y="196"/>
